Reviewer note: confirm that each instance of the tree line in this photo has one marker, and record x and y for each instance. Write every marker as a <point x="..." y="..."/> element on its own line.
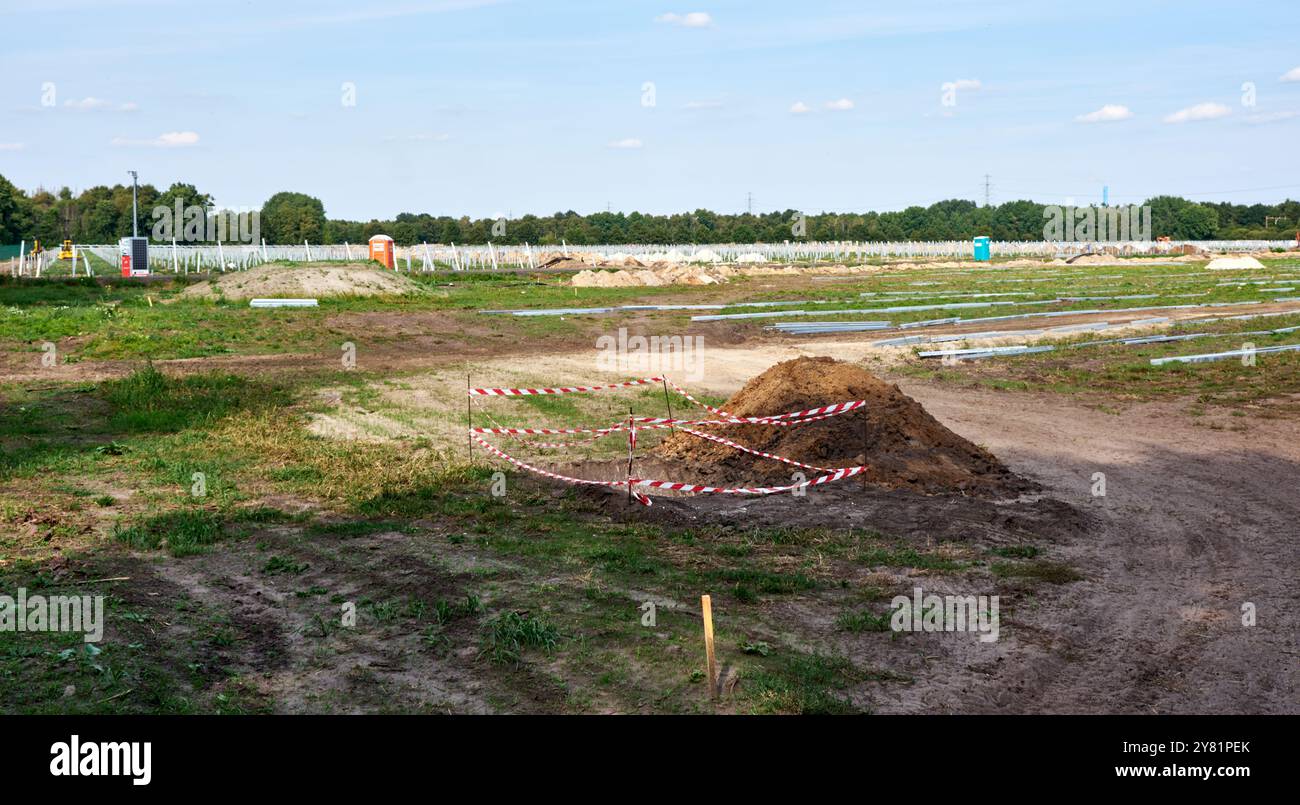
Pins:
<point x="102" y="214"/>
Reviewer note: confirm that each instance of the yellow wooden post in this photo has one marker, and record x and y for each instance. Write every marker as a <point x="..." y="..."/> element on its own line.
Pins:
<point x="706" y="606"/>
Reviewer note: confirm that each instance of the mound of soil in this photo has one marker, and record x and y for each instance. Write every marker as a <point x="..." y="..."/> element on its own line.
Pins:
<point x="659" y="275"/>
<point x="904" y="446"/>
<point x="1233" y="263"/>
<point x="307" y="281"/>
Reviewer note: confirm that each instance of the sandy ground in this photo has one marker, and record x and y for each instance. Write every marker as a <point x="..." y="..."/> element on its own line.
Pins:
<point x="308" y="281"/>
<point x="1196" y="523"/>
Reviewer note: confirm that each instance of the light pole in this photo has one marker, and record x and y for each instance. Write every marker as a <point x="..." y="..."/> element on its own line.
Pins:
<point x="135" y="216"/>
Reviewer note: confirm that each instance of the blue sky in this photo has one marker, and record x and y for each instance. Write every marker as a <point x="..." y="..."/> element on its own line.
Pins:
<point x="486" y="107"/>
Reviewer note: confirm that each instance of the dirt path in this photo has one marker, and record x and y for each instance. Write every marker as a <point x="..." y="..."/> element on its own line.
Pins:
<point x="1196" y="522"/>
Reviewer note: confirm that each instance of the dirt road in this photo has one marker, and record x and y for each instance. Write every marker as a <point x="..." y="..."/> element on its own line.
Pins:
<point x="1198" y="520"/>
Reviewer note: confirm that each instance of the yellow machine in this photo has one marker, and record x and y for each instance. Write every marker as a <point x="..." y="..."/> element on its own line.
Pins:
<point x="66" y="252"/>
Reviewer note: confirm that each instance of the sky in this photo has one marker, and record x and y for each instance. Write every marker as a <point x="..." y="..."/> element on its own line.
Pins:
<point x="506" y="107"/>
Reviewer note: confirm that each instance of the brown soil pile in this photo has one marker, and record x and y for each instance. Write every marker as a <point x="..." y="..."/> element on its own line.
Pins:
<point x="665" y="275"/>
<point x="305" y="281"/>
<point x="904" y="446"/>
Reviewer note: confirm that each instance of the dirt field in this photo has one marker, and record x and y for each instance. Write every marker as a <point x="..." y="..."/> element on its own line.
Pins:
<point x="328" y="487"/>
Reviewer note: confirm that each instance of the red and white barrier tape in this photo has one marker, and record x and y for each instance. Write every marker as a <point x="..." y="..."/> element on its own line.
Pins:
<point x="832" y="475"/>
<point x="651" y="423"/>
<point x="820" y="413"/>
<point x="840" y="474"/>
<point x="562" y="390"/>
<point x="547" y="431"/>
<point x="752" y="451"/>
<point x="731" y="418"/>
<point x="704" y="405"/>
<point x="566" y="478"/>
<point x="514" y="433"/>
<point x="659" y="423"/>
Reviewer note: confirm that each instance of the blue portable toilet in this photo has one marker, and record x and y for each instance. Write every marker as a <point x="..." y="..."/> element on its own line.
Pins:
<point x="982" y="248"/>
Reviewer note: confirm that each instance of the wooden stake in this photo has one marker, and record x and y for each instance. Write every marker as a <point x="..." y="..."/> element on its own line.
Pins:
<point x="469" y="419"/>
<point x="631" y="437"/>
<point x="706" y="608"/>
<point x="669" y="402"/>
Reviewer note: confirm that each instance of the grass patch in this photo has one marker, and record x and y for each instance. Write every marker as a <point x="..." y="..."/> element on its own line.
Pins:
<point x="863" y="621"/>
<point x="803" y="684"/>
<point x="1040" y="570"/>
<point x="764" y="581"/>
<point x="510" y="633"/>
<point x="182" y="532"/>
<point x="278" y="565"/>
<point x="149" y="401"/>
<point x="1015" y="551"/>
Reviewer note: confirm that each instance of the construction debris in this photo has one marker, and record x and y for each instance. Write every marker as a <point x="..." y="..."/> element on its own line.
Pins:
<point x="1219" y="356"/>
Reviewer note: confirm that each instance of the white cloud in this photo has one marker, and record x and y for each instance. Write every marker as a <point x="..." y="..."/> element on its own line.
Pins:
<point x="170" y="139"/>
<point x="963" y="84"/>
<point x="841" y="105"/>
<point x="1106" y="114"/>
<point x="626" y="143"/>
<point x="698" y="105"/>
<point x="12" y="146"/>
<point x="1201" y="111"/>
<point x="89" y="104"/>
<point x="1291" y="75"/>
<point x="1271" y="117"/>
<point x="799" y="108"/>
<point x="695" y="19"/>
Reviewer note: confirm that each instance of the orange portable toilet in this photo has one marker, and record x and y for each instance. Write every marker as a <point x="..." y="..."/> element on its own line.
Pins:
<point x="381" y="249"/>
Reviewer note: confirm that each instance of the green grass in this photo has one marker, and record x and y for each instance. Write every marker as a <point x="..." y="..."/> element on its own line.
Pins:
<point x="1038" y="570"/>
<point x="1015" y="551"/>
<point x="863" y="621"/>
<point x="116" y="321"/>
<point x="507" y="636"/>
<point x="764" y="581"/>
<point x="280" y="565"/>
<point x="148" y="400"/>
<point x="802" y="684"/>
<point x="183" y="532"/>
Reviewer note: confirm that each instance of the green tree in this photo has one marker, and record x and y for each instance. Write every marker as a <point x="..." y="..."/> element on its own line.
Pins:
<point x="1197" y="222"/>
<point x="15" y="213"/>
<point x="164" y="208"/>
<point x="293" y="218"/>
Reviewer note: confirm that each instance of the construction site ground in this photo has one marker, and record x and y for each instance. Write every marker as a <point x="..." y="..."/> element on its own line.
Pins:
<point x="233" y="479"/>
